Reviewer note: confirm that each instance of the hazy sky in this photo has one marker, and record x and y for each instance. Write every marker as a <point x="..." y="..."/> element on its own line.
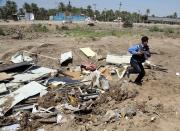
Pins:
<point x="157" y="7"/>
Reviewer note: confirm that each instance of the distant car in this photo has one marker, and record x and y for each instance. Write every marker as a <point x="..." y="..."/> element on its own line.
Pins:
<point x="66" y="21"/>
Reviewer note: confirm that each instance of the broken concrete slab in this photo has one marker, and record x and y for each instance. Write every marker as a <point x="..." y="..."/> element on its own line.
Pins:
<point x="31" y="89"/>
<point x="20" y="57"/>
<point x="118" y="60"/>
<point x="88" y="52"/>
<point x="66" y="58"/>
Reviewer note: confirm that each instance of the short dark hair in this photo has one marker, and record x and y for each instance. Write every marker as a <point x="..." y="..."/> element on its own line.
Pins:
<point x="144" y="39"/>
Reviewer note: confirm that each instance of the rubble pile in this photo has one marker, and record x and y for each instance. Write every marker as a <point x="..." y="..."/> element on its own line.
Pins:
<point x="32" y="96"/>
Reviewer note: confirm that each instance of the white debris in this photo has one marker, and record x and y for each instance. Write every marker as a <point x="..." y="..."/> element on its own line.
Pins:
<point x="88" y="52"/>
<point x="14" y="127"/>
<point x="20" y="57"/>
<point x="116" y="59"/>
<point x="32" y="74"/>
<point x="66" y="56"/>
<point x="177" y="73"/>
<point x="3" y="88"/>
<point x="31" y="89"/>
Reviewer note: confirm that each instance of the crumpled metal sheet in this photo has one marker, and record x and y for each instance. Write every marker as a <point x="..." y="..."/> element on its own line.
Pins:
<point x="31" y="89"/>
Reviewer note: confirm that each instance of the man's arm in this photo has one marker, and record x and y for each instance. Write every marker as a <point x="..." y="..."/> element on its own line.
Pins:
<point x="134" y="50"/>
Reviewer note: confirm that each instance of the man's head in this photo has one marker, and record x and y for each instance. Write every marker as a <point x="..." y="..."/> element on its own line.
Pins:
<point x="144" y="40"/>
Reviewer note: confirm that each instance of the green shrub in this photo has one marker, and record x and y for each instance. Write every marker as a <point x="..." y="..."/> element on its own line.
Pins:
<point x="128" y="24"/>
<point x="169" y="30"/>
<point x="156" y="29"/>
<point x="65" y="27"/>
<point x="40" y="28"/>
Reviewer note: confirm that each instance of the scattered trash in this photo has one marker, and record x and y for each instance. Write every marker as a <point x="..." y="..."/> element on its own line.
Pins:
<point x="20" y="57"/>
<point x="153" y="118"/>
<point x="66" y="58"/>
<point x="17" y="96"/>
<point x="110" y="115"/>
<point x="14" y="127"/>
<point x="128" y="111"/>
<point x="3" y="88"/>
<point x="31" y="93"/>
<point x="177" y="73"/>
<point x="88" y="66"/>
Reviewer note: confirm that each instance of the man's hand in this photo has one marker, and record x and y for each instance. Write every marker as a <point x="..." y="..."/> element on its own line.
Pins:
<point x="140" y="53"/>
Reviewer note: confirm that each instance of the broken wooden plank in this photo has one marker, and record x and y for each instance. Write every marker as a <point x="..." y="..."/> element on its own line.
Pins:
<point x="88" y="52"/>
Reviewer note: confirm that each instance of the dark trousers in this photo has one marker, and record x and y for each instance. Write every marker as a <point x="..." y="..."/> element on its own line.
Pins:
<point x="137" y="68"/>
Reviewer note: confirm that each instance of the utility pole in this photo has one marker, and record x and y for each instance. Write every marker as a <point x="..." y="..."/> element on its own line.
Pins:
<point x="139" y="15"/>
<point x="119" y="15"/>
<point x="120" y="4"/>
<point x="105" y="13"/>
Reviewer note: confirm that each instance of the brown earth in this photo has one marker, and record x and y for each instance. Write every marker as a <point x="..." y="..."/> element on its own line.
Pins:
<point x="159" y="95"/>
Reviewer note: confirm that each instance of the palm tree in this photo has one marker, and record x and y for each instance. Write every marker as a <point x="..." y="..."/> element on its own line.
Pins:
<point x="69" y="7"/>
<point x="175" y="15"/>
<point x="10" y="9"/>
<point x="61" y="7"/>
<point x="27" y="7"/>
<point x="147" y="12"/>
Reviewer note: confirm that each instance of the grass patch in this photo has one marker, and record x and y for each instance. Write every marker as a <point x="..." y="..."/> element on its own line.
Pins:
<point x="40" y="28"/>
<point x="155" y="29"/>
<point x="94" y="33"/>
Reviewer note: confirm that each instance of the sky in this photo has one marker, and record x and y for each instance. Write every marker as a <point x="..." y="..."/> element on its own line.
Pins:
<point x="157" y="7"/>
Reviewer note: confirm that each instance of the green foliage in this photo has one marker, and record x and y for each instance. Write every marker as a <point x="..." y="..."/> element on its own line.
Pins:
<point x="40" y="28"/>
<point x="8" y="10"/>
<point x="155" y="29"/>
<point x="64" y="27"/>
<point x="128" y="24"/>
<point x="169" y="30"/>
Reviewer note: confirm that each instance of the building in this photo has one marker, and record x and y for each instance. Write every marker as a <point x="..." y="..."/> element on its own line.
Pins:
<point x="163" y="20"/>
<point x="29" y="17"/>
<point x="67" y="18"/>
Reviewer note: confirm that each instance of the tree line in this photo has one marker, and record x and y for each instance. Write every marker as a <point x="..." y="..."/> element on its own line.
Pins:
<point x="41" y="13"/>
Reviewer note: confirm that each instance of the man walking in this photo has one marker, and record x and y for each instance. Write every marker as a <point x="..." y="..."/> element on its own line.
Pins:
<point x="140" y="53"/>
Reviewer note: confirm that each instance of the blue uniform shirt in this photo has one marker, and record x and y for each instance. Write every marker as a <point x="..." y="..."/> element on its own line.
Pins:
<point x="140" y="47"/>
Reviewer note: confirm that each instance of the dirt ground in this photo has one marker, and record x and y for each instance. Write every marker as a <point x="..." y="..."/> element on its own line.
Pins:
<point x="159" y="95"/>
